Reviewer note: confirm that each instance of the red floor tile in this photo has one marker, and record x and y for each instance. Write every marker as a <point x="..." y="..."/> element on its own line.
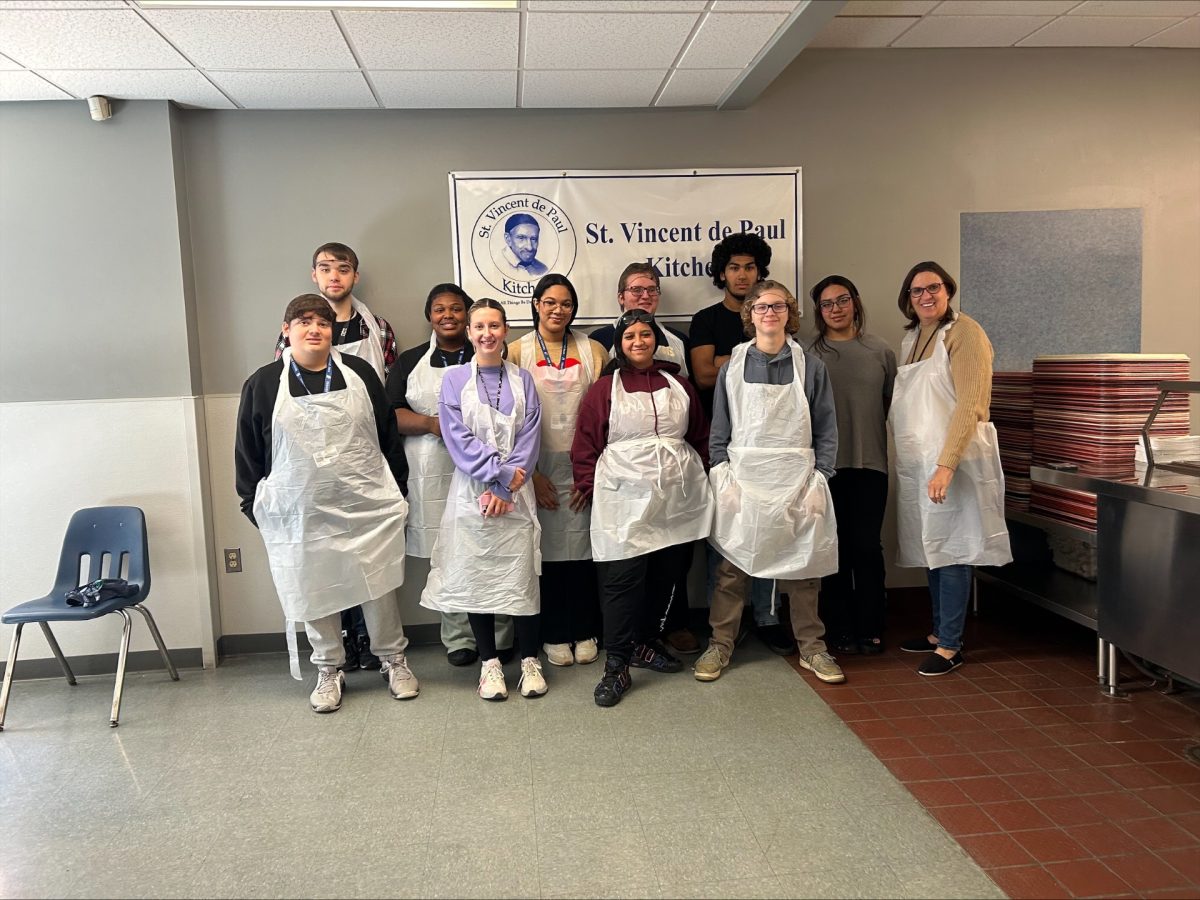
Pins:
<point x="861" y="712"/>
<point x="1008" y="762"/>
<point x="978" y="702"/>
<point x="988" y="788"/>
<point x="962" y="820"/>
<point x="914" y="768"/>
<point x="1146" y="872"/>
<point x="1150" y="751"/>
<point x="1068" y="811"/>
<point x="1186" y="861"/>
<point x="1027" y="883"/>
<point x="1050" y="845"/>
<point x="1028" y="737"/>
<point x="993" y="850"/>
<point x="1134" y="775"/>
<point x="1084" y="780"/>
<point x="892" y="747"/>
<point x="1189" y="822"/>
<point x="1101" y="838"/>
<point x="1017" y="815"/>
<point x="875" y="728"/>
<point x="1052" y="758"/>
<point x="1160" y="833"/>
<point x="1177" y="772"/>
<point x="938" y="793"/>
<point x="1119" y="806"/>
<point x="1036" y="785"/>
<point x="962" y="765"/>
<point x="1087" y="878"/>
<point x="1169" y="799"/>
<point x="1102" y="754"/>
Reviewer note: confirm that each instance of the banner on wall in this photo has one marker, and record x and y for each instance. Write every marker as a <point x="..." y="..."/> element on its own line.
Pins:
<point x="511" y="228"/>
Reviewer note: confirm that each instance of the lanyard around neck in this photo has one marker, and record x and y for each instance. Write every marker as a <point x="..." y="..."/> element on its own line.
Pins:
<point x="546" y="353"/>
<point x="328" y="375"/>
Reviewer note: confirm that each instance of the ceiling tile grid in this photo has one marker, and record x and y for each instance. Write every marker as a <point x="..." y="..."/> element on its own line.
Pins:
<point x="397" y="39"/>
<point x="296" y="90"/>
<point x="25" y="85"/>
<point x="588" y="40"/>
<point x="730" y="40"/>
<point x="446" y="90"/>
<point x="862" y="31"/>
<point x="697" y="87"/>
<point x="1097" y="31"/>
<point x="84" y="39"/>
<point x="1185" y="34"/>
<point x="255" y="38"/>
<point x="970" y="31"/>
<point x="616" y="87"/>
<point x="187" y="87"/>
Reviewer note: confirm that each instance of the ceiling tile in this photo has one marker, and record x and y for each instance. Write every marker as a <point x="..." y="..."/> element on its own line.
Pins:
<point x="256" y="38"/>
<point x="783" y="6"/>
<point x="1096" y="31"/>
<point x="63" y="4"/>
<point x="970" y="31"/>
<point x="185" y="86"/>
<point x="604" y="40"/>
<point x="887" y="7"/>
<point x="1185" y="34"/>
<point x="27" y="86"/>
<point x="6" y="63"/>
<point x="1137" y="8"/>
<point x="84" y="39"/>
<point x="616" y="87"/>
<point x="729" y="40"/>
<point x="296" y="90"/>
<point x="403" y="39"/>
<point x="860" y="31"/>
<point x="446" y="90"/>
<point x="617" y="5"/>
<point x="1004" y="7"/>
<point x="697" y="87"/>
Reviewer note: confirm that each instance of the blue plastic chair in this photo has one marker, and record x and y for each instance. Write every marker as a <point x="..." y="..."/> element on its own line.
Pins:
<point x="115" y="532"/>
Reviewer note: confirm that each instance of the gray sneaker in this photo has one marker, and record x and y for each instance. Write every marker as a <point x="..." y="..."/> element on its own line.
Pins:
<point x="823" y="666"/>
<point x="327" y="695"/>
<point x="402" y="683"/>
<point x="708" y="667"/>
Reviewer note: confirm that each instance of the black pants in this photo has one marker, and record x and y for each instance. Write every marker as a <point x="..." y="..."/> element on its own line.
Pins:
<point x="483" y="626"/>
<point x="675" y="615"/>
<point x="635" y="595"/>
<point x="852" y="601"/>
<point x="570" y="604"/>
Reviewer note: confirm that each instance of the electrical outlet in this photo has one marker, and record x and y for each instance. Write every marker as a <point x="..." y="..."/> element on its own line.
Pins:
<point x="233" y="559"/>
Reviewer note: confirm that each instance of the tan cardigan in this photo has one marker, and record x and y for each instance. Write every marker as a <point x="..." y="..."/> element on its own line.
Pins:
<point x="971" y="355"/>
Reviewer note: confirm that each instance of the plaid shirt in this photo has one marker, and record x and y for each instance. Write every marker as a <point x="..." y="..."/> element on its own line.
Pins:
<point x="387" y="338"/>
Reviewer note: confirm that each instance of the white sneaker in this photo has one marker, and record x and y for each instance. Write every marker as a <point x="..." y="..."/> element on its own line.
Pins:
<point x="402" y="683"/>
<point x="491" y="681"/>
<point x="558" y="654"/>
<point x="586" y="651"/>
<point x="327" y="695"/>
<point x="532" y="683"/>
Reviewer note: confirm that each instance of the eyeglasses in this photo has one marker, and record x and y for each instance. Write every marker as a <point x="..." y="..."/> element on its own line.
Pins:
<point x="630" y="316"/>
<point x="651" y="291"/>
<point x="839" y="302"/>
<point x="761" y="309"/>
<point x="551" y="305"/>
<point x="932" y="290"/>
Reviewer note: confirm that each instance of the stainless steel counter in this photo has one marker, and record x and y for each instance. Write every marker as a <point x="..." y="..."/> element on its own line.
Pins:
<point x="1149" y="487"/>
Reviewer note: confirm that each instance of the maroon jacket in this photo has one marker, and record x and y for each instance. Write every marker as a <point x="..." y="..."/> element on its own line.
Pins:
<point x="591" y="428"/>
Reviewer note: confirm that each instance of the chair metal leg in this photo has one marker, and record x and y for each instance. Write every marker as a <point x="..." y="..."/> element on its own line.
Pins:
<point x="8" y="671"/>
<point x="57" y="650"/>
<point x="162" y="648"/>
<point x="120" y="685"/>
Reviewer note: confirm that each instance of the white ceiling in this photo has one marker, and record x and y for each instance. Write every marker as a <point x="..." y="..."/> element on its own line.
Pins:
<point x="546" y="53"/>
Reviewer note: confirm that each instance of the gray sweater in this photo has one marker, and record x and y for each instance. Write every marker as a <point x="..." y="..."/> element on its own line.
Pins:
<point x="778" y="369"/>
<point x="862" y="373"/>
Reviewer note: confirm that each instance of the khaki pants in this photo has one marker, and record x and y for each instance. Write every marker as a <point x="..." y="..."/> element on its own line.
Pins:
<point x="729" y="596"/>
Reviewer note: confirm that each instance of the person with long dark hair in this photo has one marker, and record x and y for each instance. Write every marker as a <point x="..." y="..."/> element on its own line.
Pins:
<point x="949" y="486"/>
<point x="563" y="364"/>
<point x="862" y="370"/>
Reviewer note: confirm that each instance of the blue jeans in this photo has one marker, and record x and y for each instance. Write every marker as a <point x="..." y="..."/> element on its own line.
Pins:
<point x="760" y="590"/>
<point x="950" y="590"/>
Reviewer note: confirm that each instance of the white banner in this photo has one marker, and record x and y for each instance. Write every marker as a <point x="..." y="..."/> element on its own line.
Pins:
<point x="511" y="228"/>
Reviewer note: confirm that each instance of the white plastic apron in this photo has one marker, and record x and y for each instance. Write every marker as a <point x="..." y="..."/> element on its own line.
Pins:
<point x="650" y="489"/>
<point x="330" y="513"/>
<point x="566" y="535"/>
<point x="429" y="465"/>
<point x="968" y="528"/>
<point x="774" y="514"/>
<point x="673" y="352"/>
<point x="487" y="564"/>
<point x="369" y="348"/>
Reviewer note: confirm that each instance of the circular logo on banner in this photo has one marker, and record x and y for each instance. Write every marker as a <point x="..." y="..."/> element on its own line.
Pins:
<point x="518" y="239"/>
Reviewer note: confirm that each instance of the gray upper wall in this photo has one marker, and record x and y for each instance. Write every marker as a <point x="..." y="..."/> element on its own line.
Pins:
<point x="93" y="300"/>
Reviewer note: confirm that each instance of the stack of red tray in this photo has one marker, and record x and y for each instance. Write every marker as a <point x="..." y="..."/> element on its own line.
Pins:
<point x="1089" y="410"/>
<point x="1012" y="414"/>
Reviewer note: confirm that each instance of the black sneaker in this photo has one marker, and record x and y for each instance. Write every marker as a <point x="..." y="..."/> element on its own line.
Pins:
<point x="936" y="664"/>
<point x="778" y="639"/>
<point x="870" y="647"/>
<point x="506" y="655"/>
<point x="654" y="656"/>
<point x="845" y="646"/>
<point x="350" y="643"/>
<point x="367" y="659"/>
<point x="463" y="656"/>
<point x="614" y="684"/>
<point x="918" y="645"/>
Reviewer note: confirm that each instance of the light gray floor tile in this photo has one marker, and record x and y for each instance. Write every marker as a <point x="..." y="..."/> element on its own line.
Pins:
<point x="468" y="867"/>
<point x="606" y="802"/>
<point x="732" y="889"/>
<point x="682" y="797"/>
<point x="614" y="860"/>
<point x="848" y="882"/>
<point x="706" y="849"/>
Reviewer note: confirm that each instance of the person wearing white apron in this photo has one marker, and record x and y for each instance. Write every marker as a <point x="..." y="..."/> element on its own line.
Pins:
<point x="640" y="450"/>
<point x="413" y="386"/>
<point x="320" y="470"/>
<point x="949" y="485"/>
<point x="564" y="365"/>
<point x="356" y="332"/>
<point x="773" y="444"/>
<point x="487" y="558"/>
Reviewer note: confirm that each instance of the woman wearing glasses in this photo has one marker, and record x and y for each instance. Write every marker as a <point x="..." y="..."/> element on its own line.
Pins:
<point x="862" y="370"/>
<point x="486" y="558"/>
<point x="773" y="445"/>
<point x="639" y="454"/>
<point x="563" y="365"/>
<point x="950" y="490"/>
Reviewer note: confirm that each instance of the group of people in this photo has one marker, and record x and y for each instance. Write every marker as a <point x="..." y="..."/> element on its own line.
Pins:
<point x="558" y="484"/>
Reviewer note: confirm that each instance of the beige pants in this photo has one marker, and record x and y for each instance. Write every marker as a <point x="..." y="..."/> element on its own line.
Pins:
<point x="729" y="596"/>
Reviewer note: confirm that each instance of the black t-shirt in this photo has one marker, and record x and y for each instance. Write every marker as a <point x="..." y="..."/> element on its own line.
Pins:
<point x="397" y="381"/>
<point x="349" y="331"/>
<point x="719" y="327"/>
